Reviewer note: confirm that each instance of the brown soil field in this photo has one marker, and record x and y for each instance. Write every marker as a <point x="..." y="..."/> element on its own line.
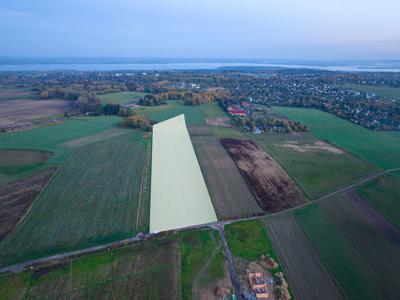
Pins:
<point x="306" y="274"/>
<point x="113" y="132"/>
<point x="272" y="187"/>
<point x="223" y="121"/>
<point x="229" y="193"/>
<point x="18" y="112"/>
<point x="17" y="197"/>
<point x="368" y="233"/>
<point x="22" y="157"/>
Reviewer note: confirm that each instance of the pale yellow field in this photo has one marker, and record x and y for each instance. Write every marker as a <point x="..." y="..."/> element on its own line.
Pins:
<point x="179" y="195"/>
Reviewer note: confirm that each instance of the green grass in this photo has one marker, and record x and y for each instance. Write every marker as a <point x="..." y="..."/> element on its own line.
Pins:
<point x="213" y="110"/>
<point x="193" y="114"/>
<point x="120" y="97"/>
<point x="384" y="194"/>
<point x="353" y="274"/>
<point x="93" y="199"/>
<point x="196" y="247"/>
<point x="249" y="240"/>
<point x="226" y="132"/>
<point x="50" y="138"/>
<point x="315" y="171"/>
<point x="382" y="91"/>
<point x="379" y="148"/>
<point x="142" y="271"/>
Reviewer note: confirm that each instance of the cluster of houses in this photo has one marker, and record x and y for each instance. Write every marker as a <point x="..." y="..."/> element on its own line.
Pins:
<point x="237" y="108"/>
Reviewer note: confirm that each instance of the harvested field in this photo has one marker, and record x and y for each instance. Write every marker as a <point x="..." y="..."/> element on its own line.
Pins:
<point x="354" y="275"/>
<point x="22" y="157"/>
<point x="222" y="121"/>
<point x="16" y="93"/>
<point x="316" y="166"/>
<point x="229" y="192"/>
<point x="17" y="197"/>
<point x="149" y="270"/>
<point x="14" y="113"/>
<point x="376" y="240"/>
<point x="101" y="136"/>
<point x="199" y="130"/>
<point x="179" y="195"/>
<point x="307" y="275"/>
<point x="93" y="199"/>
<point x="272" y="187"/>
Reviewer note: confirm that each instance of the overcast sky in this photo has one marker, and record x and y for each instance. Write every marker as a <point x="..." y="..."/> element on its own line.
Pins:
<point x="304" y="29"/>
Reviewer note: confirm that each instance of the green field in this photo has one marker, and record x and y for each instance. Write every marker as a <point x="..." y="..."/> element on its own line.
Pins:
<point x="384" y="194"/>
<point x="193" y="114"/>
<point x="143" y="271"/>
<point x="226" y="132"/>
<point x="50" y="138"/>
<point x="317" y="170"/>
<point x="379" y="148"/>
<point x="382" y="91"/>
<point x="93" y="199"/>
<point x="202" y="261"/>
<point x="249" y="240"/>
<point x="213" y="110"/>
<point x="120" y="97"/>
<point x="352" y="272"/>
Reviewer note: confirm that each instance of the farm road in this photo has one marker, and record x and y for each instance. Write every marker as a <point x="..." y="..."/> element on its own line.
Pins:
<point x="229" y="259"/>
<point x="219" y="225"/>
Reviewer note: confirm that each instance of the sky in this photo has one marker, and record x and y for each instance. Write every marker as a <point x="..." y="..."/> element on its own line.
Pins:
<point x="271" y="29"/>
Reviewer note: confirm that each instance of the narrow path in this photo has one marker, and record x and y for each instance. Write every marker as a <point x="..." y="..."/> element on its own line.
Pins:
<point x="229" y="260"/>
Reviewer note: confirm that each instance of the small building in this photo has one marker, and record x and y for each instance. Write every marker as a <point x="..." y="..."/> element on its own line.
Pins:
<point x="237" y="112"/>
<point x="258" y="285"/>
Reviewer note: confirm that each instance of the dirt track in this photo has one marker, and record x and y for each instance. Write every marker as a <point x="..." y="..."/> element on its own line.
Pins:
<point x="17" y="197"/>
<point x="272" y="187"/>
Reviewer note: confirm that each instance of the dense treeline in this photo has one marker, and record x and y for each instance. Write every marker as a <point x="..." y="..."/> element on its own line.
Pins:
<point x="136" y="121"/>
<point x="188" y="97"/>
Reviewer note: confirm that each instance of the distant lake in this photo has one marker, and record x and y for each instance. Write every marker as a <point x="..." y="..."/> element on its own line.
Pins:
<point x="126" y="64"/>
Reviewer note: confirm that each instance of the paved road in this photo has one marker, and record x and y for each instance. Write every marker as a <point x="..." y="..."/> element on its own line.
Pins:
<point x="219" y="224"/>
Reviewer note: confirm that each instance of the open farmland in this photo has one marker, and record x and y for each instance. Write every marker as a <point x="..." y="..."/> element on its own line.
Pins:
<point x="376" y="239"/>
<point x="51" y="139"/>
<point x="104" y="208"/>
<point x="316" y="166"/>
<point x="230" y="195"/>
<point x="379" y="148"/>
<point x="383" y="91"/>
<point x="272" y="187"/>
<point x="355" y="277"/>
<point x="17" y="93"/>
<point x="20" y="113"/>
<point x="120" y="97"/>
<point x="17" y="197"/>
<point x="383" y="194"/>
<point x="179" y="195"/>
<point x="307" y="275"/>
<point x="193" y="114"/>
<point x="149" y="270"/>
<point x="202" y="265"/>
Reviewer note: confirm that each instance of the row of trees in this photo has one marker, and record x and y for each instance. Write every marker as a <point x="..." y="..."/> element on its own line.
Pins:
<point x="268" y="124"/>
<point x="188" y="97"/>
<point x="136" y="121"/>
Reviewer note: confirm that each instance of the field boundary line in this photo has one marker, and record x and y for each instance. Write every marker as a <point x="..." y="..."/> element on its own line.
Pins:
<point x="143" y="179"/>
<point x="320" y="258"/>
